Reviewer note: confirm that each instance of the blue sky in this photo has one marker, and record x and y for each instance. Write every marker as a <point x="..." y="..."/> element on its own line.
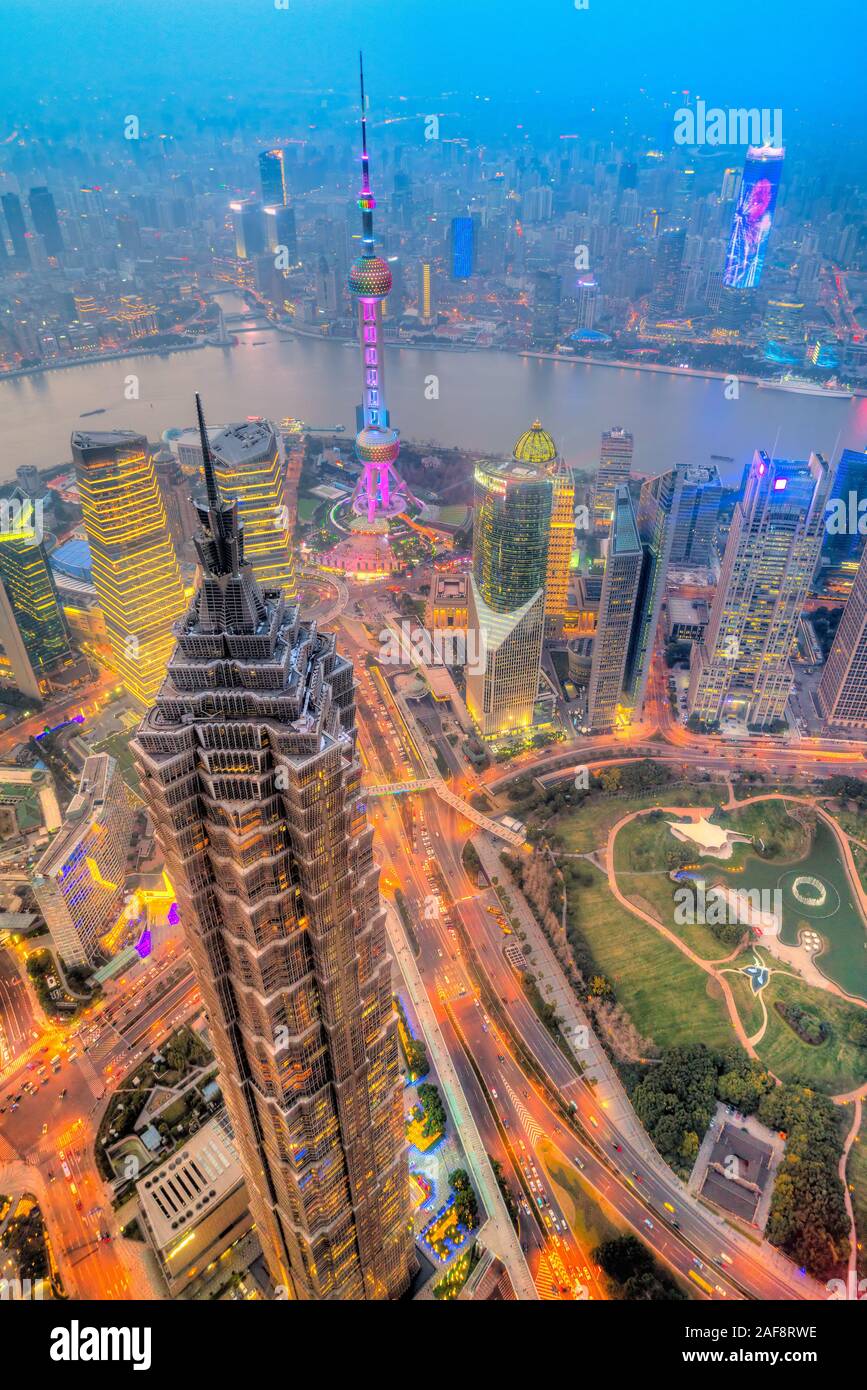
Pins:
<point x="541" y="53"/>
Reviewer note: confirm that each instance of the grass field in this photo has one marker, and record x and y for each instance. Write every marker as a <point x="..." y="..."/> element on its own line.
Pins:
<point x="769" y="821"/>
<point x="747" y="1003"/>
<point x="641" y="860"/>
<point x="666" y="996"/>
<point x="832" y="1067"/>
<point x="587" y="828"/>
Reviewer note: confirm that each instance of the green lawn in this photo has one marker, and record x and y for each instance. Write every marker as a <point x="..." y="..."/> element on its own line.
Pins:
<point x="833" y="1066"/>
<point x="586" y="828"/>
<point x="641" y="860"/>
<point x="666" y="996"/>
<point x="769" y="821"/>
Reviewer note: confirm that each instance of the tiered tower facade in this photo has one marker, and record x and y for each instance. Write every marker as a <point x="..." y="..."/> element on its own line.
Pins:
<point x="249" y="765"/>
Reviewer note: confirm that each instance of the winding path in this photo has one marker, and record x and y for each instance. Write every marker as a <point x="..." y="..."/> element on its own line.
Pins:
<point x="712" y="968"/>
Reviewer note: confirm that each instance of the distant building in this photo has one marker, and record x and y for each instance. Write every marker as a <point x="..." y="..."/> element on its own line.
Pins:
<point x="545" y="328"/>
<point x="80" y="880"/>
<point x="615" y="464"/>
<point x="17" y="227"/>
<point x="462" y="247"/>
<point x="272" y="176"/>
<point x="28" y="800"/>
<point x="753" y="217"/>
<point x="43" y="214"/>
<point x="248" y="222"/>
<point x="426" y="295"/>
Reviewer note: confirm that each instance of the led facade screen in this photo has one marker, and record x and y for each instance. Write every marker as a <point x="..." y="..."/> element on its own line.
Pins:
<point x="753" y="218"/>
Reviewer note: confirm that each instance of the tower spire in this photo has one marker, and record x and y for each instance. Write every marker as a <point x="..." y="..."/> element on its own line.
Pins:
<point x="207" y="458"/>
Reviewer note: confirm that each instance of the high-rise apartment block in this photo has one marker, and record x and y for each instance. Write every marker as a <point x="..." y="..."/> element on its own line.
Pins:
<point x="250" y="768"/>
<point x="742" y="668"/>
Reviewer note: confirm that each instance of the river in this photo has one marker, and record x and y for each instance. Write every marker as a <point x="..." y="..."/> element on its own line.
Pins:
<point x="485" y="400"/>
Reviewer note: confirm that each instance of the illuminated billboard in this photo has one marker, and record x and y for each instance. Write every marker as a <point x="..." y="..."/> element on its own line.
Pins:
<point x="753" y="217"/>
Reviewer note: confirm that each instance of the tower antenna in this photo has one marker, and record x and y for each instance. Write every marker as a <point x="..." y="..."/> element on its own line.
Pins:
<point x="207" y="459"/>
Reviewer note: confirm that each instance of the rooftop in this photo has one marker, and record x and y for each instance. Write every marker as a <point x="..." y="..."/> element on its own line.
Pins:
<point x="181" y="1192"/>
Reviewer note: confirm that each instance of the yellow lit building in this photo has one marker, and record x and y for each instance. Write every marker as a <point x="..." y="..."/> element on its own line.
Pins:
<point x="536" y="447"/>
<point x="133" y="562"/>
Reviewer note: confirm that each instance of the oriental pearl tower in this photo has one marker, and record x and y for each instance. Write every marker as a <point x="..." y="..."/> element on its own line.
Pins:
<point x="380" y="492"/>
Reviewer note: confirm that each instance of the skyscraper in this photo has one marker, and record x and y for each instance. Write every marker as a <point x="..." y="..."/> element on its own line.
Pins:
<point x="33" y="629"/>
<point x="133" y="561"/>
<point x="753" y="217"/>
<point x="537" y="448"/>
<point x="43" y="214"/>
<point x="843" y="541"/>
<point x="511" y="530"/>
<point x="269" y="850"/>
<point x="742" y="669"/>
<point x="615" y="463"/>
<point x="696" y="492"/>
<point x="248" y="459"/>
<point x="380" y="491"/>
<point x="842" y="693"/>
<point x="80" y="880"/>
<point x="618" y="628"/>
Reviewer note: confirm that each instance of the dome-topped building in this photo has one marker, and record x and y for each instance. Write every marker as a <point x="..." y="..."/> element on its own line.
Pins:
<point x="535" y="446"/>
